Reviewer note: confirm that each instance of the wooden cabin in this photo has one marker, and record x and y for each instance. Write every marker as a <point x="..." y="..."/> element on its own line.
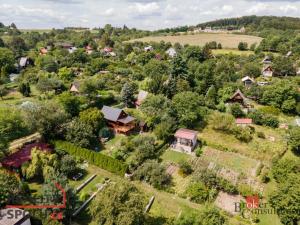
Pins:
<point x="118" y="120"/>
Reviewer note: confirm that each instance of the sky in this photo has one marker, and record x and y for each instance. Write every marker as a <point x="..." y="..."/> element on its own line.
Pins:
<point x="142" y="14"/>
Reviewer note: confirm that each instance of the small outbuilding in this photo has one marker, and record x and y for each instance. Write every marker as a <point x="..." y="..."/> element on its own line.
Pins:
<point x="243" y="122"/>
<point x="185" y="140"/>
<point x="267" y="60"/>
<point x="148" y="48"/>
<point x="248" y="81"/>
<point x="267" y="71"/>
<point x="141" y="97"/>
<point x="24" y="62"/>
<point x="75" y="87"/>
<point x="171" y="52"/>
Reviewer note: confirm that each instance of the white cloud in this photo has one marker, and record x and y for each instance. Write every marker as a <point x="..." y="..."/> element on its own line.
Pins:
<point x="288" y="8"/>
<point x="147" y="8"/>
<point x="109" y="12"/>
<point x="227" y="8"/>
<point x="258" y="7"/>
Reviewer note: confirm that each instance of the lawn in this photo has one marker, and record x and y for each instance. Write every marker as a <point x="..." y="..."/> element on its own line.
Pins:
<point x="229" y="41"/>
<point x="113" y="144"/>
<point x="174" y="157"/>
<point x="14" y="97"/>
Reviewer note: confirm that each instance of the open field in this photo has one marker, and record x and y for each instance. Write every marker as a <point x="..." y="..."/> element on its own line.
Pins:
<point x="230" y="41"/>
<point x="258" y="148"/>
<point x="36" y="30"/>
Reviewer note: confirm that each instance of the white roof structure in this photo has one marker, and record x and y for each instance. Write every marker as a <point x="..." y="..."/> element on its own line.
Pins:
<point x="247" y="78"/>
<point x="72" y="49"/>
<point x="171" y="52"/>
<point x="148" y="48"/>
<point x="297" y="122"/>
<point x="23" y="61"/>
<point x="13" y="77"/>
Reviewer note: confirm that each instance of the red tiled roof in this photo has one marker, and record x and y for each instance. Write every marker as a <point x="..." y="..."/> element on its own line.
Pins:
<point x="243" y="121"/>
<point x="24" y="155"/>
<point x="108" y="49"/>
<point x="186" y="134"/>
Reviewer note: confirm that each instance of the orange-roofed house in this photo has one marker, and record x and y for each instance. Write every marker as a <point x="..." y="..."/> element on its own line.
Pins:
<point x="43" y="51"/>
<point x="185" y="140"/>
<point x="243" y="122"/>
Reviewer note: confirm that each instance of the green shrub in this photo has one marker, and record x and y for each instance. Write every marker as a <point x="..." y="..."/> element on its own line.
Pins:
<point x="98" y="159"/>
<point x="261" y="135"/>
<point x="198" y="151"/>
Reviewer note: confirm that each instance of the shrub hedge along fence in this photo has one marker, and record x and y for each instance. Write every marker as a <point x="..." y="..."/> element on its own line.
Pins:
<point x="103" y="161"/>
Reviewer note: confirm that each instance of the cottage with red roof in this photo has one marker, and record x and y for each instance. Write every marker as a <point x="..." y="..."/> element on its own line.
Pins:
<point x="185" y="140"/>
<point x="243" y="122"/>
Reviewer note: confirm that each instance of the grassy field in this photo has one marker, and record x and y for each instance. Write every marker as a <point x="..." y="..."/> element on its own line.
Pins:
<point x="231" y="51"/>
<point x="230" y="41"/>
<point x="258" y="148"/>
<point x="36" y="30"/>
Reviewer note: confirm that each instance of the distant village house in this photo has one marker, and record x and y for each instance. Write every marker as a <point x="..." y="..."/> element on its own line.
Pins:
<point x="171" y="52"/>
<point x="243" y="122"/>
<point x="75" y="87"/>
<point x="148" y="48"/>
<point x="141" y="97"/>
<point x="24" y="62"/>
<point x="267" y="71"/>
<point x="248" y="81"/>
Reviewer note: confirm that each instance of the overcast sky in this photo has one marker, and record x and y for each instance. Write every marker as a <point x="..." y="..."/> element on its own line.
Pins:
<point x="143" y="14"/>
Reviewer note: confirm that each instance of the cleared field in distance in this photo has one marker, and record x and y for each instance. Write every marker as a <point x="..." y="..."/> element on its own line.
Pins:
<point x="230" y="41"/>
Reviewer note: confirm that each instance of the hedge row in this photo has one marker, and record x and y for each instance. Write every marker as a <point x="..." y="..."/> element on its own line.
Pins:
<point x="103" y="161"/>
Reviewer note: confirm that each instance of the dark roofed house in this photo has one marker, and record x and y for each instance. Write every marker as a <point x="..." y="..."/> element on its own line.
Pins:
<point x="267" y="60"/>
<point x="239" y="97"/>
<point x="118" y="120"/>
<point x="185" y="140"/>
<point x="65" y="45"/>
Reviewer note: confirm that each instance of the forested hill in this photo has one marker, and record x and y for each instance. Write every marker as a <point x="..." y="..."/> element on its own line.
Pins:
<point x="253" y="24"/>
<point x="257" y="23"/>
